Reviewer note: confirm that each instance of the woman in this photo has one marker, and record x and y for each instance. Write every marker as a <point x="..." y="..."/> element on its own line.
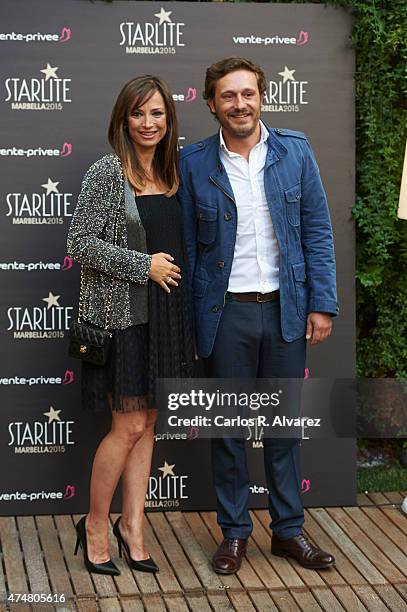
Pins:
<point x="126" y="232"/>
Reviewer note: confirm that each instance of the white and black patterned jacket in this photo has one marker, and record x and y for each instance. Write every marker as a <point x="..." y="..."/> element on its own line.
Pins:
<point x="105" y="199"/>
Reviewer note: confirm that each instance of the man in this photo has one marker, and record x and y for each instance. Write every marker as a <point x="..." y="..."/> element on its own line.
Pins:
<point x="260" y="250"/>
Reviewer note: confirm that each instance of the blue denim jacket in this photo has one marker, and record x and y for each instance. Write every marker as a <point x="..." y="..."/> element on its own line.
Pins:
<point x="300" y="215"/>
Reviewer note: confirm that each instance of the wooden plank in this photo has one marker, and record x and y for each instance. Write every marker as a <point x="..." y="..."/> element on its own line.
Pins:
<point x="175" y="603"/>
<point x="166" y="578"/>
<point x="154" y="603"/>
<point x="198" y="603"/>
<point x="348" y="599"/>
<point x="385" y="525"/>
<point x="327" y="600"/>
<point x="19" y="608"/>
<point x="378" y="498"/>
<point x="220" y="602"/>
<point x="193" y="550"/>
<point x="396" y="516"/>
<point x="130" y="604"/>
<point x="174" y="552"/>
<point x="344" y="572"/>
<point x="284" y="601"/>
<point x="16" y="578"/>
<point x="364" y="500"/>
<point x="125" y="583"/>
<point x="241" y="601"/>
<point x="286" y="571"/>
<point x="262" y="601"/>
<point x="80" y="577"/>
<point x="370" y="549"/>
<point x="54" y="558"/>
<point x="87" y="605"/>
<point x="104" y="585"/>
<point x="391" y="598"/>
<point x="402" y="589"/>
<point x="387" y="547"/>
<point x="246" y="574"/>
<point x="394" y="497"/>
<point x="356" y="556"/>
<point x="260" y="559"/>
<point x="370" y="598"/>
<point x="134" y="582"/>
<point x="110" y="604"/>
<point x="68" y="606"/>
<point x="306" y="601"/>
<point x="34" y="562"/>
<point x="209" y="546"/>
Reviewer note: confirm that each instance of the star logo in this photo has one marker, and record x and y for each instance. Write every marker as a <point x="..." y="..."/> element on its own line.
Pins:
<point x="50" y="72"/>
<point x="163" y="16"/>
<point x="51" y="186"/>
<point x="53" y="415"/>
<point x="287" y="74"/>
<point x="167" y="470"/>
<point x="52" y="300"/>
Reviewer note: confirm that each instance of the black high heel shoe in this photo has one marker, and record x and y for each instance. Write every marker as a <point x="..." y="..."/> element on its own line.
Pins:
<point x="145" y="565"/>
<point x="96" y="568"/>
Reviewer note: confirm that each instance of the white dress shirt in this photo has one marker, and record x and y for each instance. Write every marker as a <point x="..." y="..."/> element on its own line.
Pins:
<point x="255" y="263"/>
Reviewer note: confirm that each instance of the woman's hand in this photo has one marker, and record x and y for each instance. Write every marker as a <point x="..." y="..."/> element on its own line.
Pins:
<point x="163" y="271"/>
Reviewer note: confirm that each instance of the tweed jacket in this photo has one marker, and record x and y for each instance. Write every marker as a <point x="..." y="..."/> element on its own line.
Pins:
<point x="105" y="200"/>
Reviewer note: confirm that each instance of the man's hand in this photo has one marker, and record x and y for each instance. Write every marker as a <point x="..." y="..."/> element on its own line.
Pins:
<point x="319" y="327"/>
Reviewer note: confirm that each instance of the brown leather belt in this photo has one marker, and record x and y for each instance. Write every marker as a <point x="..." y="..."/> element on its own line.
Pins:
<point x="260" y="298"/>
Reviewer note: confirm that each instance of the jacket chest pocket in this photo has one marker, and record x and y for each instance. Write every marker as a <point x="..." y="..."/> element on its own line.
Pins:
<point x="292" y="199"/>
<point x="207" y="224"/>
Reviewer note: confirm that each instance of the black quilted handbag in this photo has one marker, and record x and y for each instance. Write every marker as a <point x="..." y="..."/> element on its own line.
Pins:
<point x="89" y="343"/>
<point x="86" y="341"/>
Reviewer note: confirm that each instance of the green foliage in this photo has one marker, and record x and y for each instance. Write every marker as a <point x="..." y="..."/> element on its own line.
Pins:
<point x="385" y="478"/>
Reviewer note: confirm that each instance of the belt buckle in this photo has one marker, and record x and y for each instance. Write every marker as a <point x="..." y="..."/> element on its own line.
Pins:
<point x="259" y="299"/>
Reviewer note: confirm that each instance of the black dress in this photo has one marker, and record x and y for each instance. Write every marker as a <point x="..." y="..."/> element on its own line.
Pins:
<point x="161" y="348"/>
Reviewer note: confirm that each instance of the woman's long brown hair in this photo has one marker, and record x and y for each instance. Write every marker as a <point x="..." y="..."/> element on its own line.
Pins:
<point x="165" y="164"/>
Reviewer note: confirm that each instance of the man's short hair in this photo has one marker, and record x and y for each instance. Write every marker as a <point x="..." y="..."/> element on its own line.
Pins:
<point x="227" y="65"/>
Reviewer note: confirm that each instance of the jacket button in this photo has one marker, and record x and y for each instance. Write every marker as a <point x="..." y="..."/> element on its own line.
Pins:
<point x="279" y="131"/>
<point x="221" y="264"/>
<point x="298" y="196"/>
<point x="215" y="308"/>
<point x="227" y="216"/>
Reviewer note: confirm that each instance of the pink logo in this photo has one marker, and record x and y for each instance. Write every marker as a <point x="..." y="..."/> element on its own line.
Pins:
<point x="302" y="38"/>
<point x="66" y="149"/>
<point x="191" y="94"/>
<point x="69" y="492"/>
<point x="68" y="263"/>
<point x="65" y="35"/>
<point x="307" y="373"/>
<point x="193" y="433"/>
<point x="68" y="377"/>
<point x="305" y="486"/>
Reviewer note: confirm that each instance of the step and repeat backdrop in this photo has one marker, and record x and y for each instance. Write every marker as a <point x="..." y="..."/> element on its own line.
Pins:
<point x="62" y="67"/>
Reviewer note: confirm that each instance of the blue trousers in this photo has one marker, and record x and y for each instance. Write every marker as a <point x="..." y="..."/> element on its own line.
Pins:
<point x="249" y="344"/>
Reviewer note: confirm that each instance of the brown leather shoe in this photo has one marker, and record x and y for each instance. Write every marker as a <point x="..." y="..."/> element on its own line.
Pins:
<point x="228" y="557"/>
<point x="301" y="549"/>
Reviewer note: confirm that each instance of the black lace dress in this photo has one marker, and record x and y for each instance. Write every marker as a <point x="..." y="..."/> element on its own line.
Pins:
<point x="161" y="348"/>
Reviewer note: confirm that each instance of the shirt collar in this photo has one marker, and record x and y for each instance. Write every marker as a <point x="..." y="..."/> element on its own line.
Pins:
<point x="264" y="134"/>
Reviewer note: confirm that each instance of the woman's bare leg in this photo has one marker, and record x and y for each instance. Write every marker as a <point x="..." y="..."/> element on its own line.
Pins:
<point x="134" y="487"/>
<point x="110" y="459"/>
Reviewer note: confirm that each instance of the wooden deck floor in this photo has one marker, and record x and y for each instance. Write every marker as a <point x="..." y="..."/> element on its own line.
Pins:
<point x="369" y="543"/>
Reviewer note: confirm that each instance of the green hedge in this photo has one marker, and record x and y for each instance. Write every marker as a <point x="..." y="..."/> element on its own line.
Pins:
<point x="379" y="36"/>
